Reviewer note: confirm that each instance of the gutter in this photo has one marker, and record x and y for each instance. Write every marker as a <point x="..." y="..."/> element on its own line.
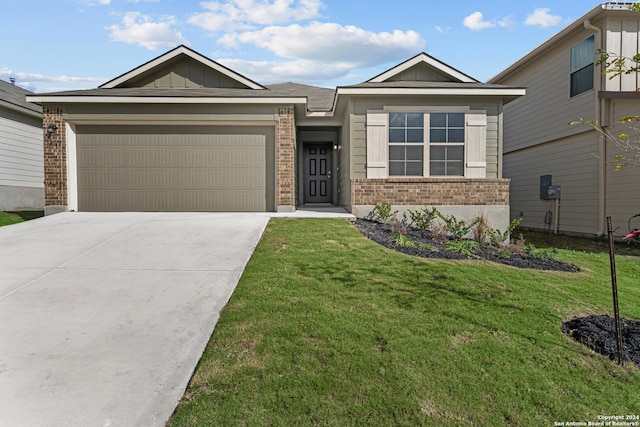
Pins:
<point x="602" y="149"/>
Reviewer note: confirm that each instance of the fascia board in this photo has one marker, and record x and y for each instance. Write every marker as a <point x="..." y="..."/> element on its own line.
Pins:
<point x="159" y="100"/>
<point x="433" y="91"/>
<point x="20" y="109"/>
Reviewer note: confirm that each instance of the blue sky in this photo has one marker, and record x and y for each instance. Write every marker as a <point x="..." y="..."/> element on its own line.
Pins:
<point x="52" y="45"/>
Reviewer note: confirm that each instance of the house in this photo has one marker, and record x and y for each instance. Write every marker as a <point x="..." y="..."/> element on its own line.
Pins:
<point x="21" y="158"/>
<point x="541" y="148"/>
<point x="184" y="133"/>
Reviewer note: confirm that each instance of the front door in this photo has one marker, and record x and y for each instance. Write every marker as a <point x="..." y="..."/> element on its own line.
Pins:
<point x="317" y="173"/>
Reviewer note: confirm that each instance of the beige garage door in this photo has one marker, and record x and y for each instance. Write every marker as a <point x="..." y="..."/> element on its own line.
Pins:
<point x="172" y="168"/>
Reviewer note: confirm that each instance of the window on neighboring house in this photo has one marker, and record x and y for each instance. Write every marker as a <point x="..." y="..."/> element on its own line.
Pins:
<point x="446" y="144"/>
<point x="406" y="144"/>
<point x="582" y="67"/>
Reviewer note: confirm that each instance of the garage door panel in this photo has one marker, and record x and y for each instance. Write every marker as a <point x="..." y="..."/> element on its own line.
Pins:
<point x="153" y="171"/>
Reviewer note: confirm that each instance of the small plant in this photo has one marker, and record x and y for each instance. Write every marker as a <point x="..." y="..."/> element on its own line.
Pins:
<point x="501" y="238"/>
<point x="464" y="247"/>
<point x="529" y="249"/>
<point x="548" y="254"/>
<point x="382" y="213"/>
<point x="424" y="217"/>
<point x="403" y="240"/>
<point x="428" y="247"/>
<point x="455" y="229"/>
<point x="504" y="254"/>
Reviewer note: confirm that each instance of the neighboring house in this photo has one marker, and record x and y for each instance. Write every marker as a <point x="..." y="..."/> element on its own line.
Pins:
<point x="21" y="158"/>
<point x="184" y="133"/>
<point x="564" y="85"/>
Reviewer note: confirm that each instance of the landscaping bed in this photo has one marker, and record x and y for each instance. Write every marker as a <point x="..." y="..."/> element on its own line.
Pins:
<point x="597" y="333"/>
<point x="427" y="244"/>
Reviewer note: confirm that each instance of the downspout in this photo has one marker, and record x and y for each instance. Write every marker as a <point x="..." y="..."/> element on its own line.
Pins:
<point x="602" y="149"/>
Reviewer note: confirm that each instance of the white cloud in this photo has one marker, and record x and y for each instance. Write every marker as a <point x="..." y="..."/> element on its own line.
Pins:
<point x="476" y="22"/>
<point x="301" y="71"/>
<point x="245" y="14"/>
<point x="331" y="43"/>
<point x="441" y="29"/>
<point x="42" y="83"/>
<point x="138" y="29"/>
<point x="541" y="17"/>
<point x="506" y="22"/>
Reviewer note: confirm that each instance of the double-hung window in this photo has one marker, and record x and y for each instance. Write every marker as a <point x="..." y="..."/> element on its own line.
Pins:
<point x="446" y="144"/>
<point x="406" y="144"/>
<point x="434" y="142"/>
<point x="582" y="66"/>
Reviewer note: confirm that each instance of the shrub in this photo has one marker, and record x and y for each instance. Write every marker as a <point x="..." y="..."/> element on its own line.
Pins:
<point x="423" y="218"/>
<point x="455" y="229"/>
<point x="481" y="229"/>
<point x="548" y="254"/>
<point x="501" y="238"/>
<point x="382" y="213"/>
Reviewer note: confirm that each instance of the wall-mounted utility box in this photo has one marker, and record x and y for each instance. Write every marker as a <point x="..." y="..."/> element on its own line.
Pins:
<point x="545" y="183"/>
<point x="554" y="192"/>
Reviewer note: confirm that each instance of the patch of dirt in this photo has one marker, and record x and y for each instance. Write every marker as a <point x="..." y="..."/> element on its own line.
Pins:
<point x="598" y="333"/>
<point x="384" y="234"/>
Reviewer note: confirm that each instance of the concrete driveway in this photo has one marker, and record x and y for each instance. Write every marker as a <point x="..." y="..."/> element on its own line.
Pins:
<point x="104" y="316"/>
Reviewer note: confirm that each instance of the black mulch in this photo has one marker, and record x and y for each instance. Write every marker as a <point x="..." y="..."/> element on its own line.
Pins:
<point x="385" y="233"/>
<point x="598" y="333"/>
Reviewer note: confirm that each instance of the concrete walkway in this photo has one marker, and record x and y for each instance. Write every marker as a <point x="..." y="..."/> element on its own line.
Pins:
<point x="104" y="316"/>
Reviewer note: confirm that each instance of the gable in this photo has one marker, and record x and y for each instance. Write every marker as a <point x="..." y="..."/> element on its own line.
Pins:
<point x="183" y="72"/>
<point x="182" y="68"/>
<point x="423" y="67"/>
<point x="421" y="72"/>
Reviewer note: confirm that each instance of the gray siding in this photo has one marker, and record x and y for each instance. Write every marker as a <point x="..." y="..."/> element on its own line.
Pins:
<point x="21" y="153"/>
<point x="544" y="112"/>
<point x="573" y="165"/>
<point x="362" y="105"/>
<point x="623" y="197"/>
<point x="184" y="73"/>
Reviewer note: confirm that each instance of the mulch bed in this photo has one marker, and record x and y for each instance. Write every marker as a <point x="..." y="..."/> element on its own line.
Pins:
<point x="598" y="333"/>
<point x="385" y="233"/>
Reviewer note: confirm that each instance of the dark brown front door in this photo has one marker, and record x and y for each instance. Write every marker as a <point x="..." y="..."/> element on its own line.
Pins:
<point x="317" y="173"/>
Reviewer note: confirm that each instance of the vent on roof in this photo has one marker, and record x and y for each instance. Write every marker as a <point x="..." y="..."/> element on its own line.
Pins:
<point x="12" y="80"/>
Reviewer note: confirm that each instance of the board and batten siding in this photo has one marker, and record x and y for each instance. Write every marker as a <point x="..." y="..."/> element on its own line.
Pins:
<point x="622" y="38"/>
<point x="622" y="197"/>
<point x="573" y="165"/>
<point x="344" y="164"/>
<point x="359" y="126"/>
<point x="21" y="153"/>
<point x="544" y="113"/>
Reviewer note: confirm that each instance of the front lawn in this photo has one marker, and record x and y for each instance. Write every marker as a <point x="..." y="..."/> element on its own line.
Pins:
<point x="8" y="218"/>
<point x="329" y="328"/>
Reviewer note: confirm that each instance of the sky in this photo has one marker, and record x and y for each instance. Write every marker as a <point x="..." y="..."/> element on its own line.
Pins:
<point x="56" y="45"/>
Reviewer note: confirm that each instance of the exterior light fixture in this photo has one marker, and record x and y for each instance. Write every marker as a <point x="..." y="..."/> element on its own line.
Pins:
<point x="51" y="129"/>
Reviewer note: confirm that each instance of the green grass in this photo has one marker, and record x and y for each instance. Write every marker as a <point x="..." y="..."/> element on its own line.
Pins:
<point x="8" y="218"/>
<point x="329" y="328"/>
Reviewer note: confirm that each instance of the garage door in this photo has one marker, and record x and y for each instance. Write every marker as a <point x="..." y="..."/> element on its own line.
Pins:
<point x="172" y="168"/>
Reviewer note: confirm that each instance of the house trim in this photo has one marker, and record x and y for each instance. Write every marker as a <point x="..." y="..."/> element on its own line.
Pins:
<point x="423" y="57"/>
<point x="163" y="100"/>
<point x="181" y="50"/>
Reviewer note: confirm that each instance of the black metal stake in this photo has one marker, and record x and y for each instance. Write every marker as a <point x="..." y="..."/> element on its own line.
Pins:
<point x="614" y="286"/>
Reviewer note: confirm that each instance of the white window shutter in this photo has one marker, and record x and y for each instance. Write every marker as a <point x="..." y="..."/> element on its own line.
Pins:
<point x="476" y="146"/>
<point x="377" y="145"/>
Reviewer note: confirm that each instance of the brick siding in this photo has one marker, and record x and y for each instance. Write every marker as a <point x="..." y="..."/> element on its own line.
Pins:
<point x="430" y="191"/>
<point x="55" y="158"/>
<point x="285" y="157"/>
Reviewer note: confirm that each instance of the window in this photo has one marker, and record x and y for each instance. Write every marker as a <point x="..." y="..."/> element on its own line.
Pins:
<point x="446" y="144"/>
<point x="582" y="67"/>
<point x="406" y="144"/>
<point x="437" y="141"/>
